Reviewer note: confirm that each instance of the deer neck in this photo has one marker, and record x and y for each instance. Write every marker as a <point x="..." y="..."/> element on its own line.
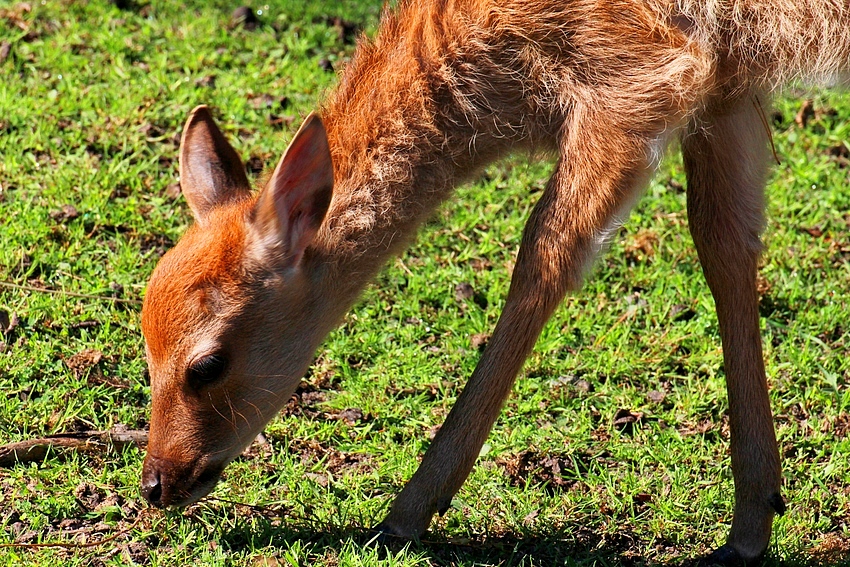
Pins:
<point x="398" y="148"/>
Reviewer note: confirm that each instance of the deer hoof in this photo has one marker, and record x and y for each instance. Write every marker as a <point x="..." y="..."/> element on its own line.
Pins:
<point x="387" y="535"/>
<point x="727" y="556"/>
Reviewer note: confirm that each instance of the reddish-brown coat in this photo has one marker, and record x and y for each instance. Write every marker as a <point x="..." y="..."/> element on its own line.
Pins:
<point x="207" y="259"/>
<point x="445" y="87"/>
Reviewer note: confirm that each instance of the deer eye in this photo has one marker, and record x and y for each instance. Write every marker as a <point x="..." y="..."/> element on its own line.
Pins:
<point x="206" y="370"/>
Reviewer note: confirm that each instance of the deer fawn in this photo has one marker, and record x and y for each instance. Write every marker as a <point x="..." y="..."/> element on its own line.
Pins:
<point x="234" y="313"/>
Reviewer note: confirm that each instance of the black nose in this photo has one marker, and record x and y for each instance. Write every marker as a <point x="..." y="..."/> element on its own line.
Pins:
<point x="152" y="486"/>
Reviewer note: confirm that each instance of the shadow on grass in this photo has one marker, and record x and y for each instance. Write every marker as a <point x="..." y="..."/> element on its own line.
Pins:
<point x="570" y="546"/>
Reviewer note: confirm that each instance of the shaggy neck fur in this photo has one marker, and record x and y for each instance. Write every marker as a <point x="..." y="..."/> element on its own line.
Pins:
<point x="448" y="85"/>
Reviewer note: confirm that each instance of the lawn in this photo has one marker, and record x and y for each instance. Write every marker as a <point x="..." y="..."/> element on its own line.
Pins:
<point x="613" y="449"/>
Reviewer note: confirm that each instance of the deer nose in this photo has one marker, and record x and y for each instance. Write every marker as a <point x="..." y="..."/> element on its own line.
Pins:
<point x="152" y="483"/>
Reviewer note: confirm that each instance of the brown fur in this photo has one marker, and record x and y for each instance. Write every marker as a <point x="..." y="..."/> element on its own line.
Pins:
<point x="211" y="260"/>
<point x="445" y="87"/>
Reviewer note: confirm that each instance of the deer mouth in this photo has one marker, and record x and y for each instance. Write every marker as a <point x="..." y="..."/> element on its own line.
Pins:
<point x="168" y="484"/>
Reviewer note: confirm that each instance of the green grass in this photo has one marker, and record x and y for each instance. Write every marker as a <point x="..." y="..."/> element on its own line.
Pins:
<point x="92" y="100"/>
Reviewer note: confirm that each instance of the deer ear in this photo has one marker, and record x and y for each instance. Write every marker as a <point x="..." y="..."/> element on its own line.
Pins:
<point x="293" y="203"/>
<point x="211" y="172"/>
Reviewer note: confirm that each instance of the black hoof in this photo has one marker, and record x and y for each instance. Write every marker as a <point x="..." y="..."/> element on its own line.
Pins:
<point x="382" y="534"/>
<point x="727" y="557"/>
<point x="777" y="503"/>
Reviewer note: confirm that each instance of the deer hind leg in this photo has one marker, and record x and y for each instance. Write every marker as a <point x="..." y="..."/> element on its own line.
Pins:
<point x="601" y="169"/>
<point x="725" y="156"/>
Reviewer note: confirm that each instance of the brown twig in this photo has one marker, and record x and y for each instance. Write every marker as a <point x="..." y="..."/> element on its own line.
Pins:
<point x="69" y="293"/>
<point x="79" y="545"/>
<point x="36" y="449"/>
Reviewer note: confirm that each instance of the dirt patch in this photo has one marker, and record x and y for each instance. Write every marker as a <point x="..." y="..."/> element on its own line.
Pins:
<point x="351" y="416"/>
<point x="625" y="420"/>
<point x="806" y="113"/>
<point x="156" y="243"/>
<point x="682" y="312"/>
<point x="656" y="396"/>
<point x="90" y="498"/>
<point x="84" y="361"/>
<point x="429" y="392"/>
<point x="244" y="17"/>
<point x="478" y="341"/>
<point x="316" y="389"/>
<point x="641" y="248"/>
<point x="346" y="30"/>
<point x="255" y="165"/>
<point x="93" y="364"/>
<point x="8" y="324"/>
<point x="88" y="525"/>
<point x="706" y="427"/>
<point x="832" y="549"/>
<point x="464" y="292"/>
<point x="537" y="468"/>
<point x="173" y="191"/>
<point x="319" y="456"/>
<point x="65" y="214"/>
<point x="840" y="155"/>
<point x="840" y="427"/>
<point x="305" y="402"/>
<point x="481" y="265"/>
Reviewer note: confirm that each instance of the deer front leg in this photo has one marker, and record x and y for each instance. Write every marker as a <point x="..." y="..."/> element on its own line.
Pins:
<point x="599" y="170"/>
<point x="725" y="158"/>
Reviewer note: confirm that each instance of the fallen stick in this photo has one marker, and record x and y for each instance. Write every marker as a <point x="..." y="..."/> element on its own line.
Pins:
<point x="36" y="449"/>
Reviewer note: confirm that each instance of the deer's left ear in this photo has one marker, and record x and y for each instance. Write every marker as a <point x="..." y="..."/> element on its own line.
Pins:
<point x="211" y="173"/>
<point x="293" y="203"/>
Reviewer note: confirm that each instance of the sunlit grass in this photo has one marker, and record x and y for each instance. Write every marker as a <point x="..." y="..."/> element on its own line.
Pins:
<point x="92" y="100"/>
